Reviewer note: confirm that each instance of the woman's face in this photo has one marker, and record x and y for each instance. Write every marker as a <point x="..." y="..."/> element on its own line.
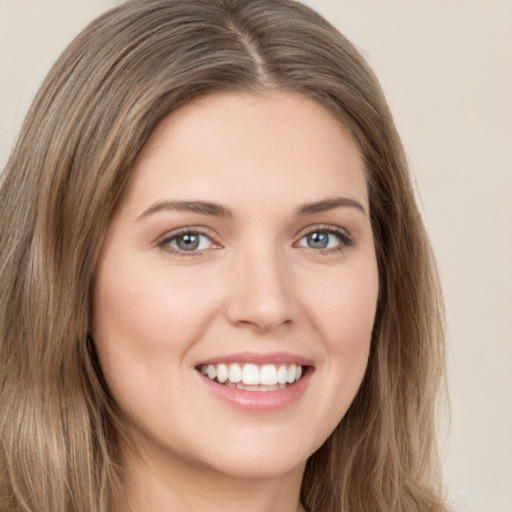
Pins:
<point x="242" y="248"/>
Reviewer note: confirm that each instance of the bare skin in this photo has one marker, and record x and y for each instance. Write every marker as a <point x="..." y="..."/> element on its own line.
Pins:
<point x="243" y="236"/>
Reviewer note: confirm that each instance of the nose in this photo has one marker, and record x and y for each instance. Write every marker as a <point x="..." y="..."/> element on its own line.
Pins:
<point x="262" y="291"/>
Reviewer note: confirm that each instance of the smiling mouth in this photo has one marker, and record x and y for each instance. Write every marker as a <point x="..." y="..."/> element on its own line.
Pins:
<point x="252" y="377"/>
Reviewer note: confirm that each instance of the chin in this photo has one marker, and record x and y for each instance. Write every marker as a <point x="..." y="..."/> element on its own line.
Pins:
<point x="262" y="456"/>
<point x="260" y="468"/>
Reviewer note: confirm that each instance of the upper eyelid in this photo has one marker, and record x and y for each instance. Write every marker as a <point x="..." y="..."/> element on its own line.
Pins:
<point x="323" y="227"/>
<point x="346" y="239"/>
<point x="203" y="230"/>
<point x="164" y="242"/>
<point x="208" y="231"/>
<point x="200" y="230"/>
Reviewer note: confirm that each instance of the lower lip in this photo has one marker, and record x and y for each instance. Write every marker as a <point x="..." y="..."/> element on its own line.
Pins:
<point x="259" y="401"/>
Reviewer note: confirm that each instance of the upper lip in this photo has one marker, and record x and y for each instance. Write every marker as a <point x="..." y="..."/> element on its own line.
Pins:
<point x="259" y="358"/>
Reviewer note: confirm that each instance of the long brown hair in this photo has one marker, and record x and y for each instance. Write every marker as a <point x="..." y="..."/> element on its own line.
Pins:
<point x="97" y="107"/>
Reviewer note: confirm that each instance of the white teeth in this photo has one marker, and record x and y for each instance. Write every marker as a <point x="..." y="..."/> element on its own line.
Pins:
<point x="212" y="371"/>
<point x="291" y="374"/>
<point x="282" y="374"/>
<point x="267" y="377"/>
<point x="250" y="374"/>
<point x="240" y="385"/>
<point x="222" y="373"/>
<point x="235" y="373"/>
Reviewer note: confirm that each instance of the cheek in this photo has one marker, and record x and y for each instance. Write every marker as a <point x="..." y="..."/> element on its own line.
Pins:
<point x="146" y="319"/>
<point x="344" y="312"/>
<point x="344" y="308"/>
<point x="149" y="311"/>
<point x="145" y="322"/>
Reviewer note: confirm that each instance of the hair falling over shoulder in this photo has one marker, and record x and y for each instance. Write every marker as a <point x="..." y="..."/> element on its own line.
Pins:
<point x="95" y="110"/>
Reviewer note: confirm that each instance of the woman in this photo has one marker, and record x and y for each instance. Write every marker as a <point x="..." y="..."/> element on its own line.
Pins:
<point x="218" y="290"/>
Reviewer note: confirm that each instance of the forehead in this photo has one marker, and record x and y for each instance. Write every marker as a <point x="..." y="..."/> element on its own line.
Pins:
<point x="235" y="147"/>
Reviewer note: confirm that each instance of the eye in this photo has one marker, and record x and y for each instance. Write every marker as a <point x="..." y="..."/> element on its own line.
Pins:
<point x="322" y="239"/>
<point x="187" y="242"/>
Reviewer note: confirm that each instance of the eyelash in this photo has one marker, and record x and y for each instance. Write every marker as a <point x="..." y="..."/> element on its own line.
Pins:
<point x="165" y="242"/>
<point x="345" y="240"/>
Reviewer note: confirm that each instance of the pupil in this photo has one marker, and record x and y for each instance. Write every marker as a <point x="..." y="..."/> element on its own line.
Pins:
<point x="188" y="242"/>
<point x="318" y="240"/>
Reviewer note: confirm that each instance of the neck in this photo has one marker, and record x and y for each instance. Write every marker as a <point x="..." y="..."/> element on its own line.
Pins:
<point x="159" y="484"/>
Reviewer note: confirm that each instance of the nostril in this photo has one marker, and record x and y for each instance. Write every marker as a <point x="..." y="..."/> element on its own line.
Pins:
<point x="261" y="318"/>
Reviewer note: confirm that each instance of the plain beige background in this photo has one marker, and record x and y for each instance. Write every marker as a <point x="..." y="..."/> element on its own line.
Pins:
<point x="446" y="66"/>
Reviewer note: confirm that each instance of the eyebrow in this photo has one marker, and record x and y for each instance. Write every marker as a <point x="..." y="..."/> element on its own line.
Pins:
<point x="218" y="210"/>
<point x="202" y="207"/>
<point x="329" y="204"/>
